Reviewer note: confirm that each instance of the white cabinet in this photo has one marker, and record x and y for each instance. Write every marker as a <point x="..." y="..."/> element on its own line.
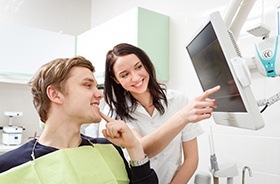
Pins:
<point x="140" y="27"/>
<point x="24" y="50"/>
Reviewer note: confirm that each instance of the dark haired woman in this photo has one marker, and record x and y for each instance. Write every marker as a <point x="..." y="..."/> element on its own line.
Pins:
<point x="161" y="119"/>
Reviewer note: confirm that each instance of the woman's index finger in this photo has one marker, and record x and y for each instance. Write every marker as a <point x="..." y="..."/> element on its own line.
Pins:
<point x="209" y="92"/>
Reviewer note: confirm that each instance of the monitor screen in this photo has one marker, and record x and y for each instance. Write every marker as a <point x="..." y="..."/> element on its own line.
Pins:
<point x="210" y="51"/>
<point x="211" y="65"/>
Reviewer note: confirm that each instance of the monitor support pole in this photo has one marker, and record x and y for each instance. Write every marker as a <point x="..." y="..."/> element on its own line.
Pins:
<point x="236" y="14"/>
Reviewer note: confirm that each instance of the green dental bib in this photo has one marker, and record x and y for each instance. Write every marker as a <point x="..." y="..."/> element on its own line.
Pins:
<point x="100" y="163"/>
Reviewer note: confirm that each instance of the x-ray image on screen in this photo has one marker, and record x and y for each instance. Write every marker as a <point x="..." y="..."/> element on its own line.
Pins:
<point x="211" y="66"/>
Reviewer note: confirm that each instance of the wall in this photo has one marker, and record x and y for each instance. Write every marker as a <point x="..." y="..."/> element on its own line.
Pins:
<point x="71" y="17"/>
<point x="17" y="97"/>
<point x="259" y="150"/>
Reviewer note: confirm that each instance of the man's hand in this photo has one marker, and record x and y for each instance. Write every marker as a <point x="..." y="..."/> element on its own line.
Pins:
<point x="118" y="132"/>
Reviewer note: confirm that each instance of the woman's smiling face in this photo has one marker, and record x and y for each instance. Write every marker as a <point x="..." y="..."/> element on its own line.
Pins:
<point x="131" y="74"/>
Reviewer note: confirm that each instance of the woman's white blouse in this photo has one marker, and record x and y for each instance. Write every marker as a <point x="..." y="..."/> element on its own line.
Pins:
<point x="169" y="160"/>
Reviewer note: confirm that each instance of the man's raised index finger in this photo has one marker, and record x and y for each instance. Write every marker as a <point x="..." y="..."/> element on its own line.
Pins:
<point x="105" y="117"/>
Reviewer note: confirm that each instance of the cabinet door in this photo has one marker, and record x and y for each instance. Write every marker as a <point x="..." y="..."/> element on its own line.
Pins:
<point x="140" y="27"/>
<point x="96" y="42"/>
<point x="24" y="50"/>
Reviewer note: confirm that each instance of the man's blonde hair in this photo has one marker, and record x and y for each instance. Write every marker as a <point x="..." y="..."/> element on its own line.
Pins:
<point x="54" y="74"/>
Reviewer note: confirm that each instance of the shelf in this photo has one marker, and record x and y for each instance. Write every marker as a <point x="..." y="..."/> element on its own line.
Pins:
<point x="19" y="78"/>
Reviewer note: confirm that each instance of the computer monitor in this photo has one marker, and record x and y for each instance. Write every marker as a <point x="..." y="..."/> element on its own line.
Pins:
<point x="211" y="51"/>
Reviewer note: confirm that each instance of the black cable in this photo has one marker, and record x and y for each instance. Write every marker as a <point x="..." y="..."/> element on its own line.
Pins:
<point x="264" y="108"/>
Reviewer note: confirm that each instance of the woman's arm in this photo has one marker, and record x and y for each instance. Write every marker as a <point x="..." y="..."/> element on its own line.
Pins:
<point x="198" y="109"/>
<point x="190" y="164"/>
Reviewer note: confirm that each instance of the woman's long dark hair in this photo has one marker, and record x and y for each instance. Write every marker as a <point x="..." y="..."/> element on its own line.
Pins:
<point x="115" y="95"/>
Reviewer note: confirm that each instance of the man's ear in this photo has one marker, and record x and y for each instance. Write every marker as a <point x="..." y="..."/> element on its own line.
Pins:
<point x="54" y="95"/>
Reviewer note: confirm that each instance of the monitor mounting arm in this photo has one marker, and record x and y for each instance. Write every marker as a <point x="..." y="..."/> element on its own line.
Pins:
<point x="236" y="14"/>
<point x="269" y="101"/>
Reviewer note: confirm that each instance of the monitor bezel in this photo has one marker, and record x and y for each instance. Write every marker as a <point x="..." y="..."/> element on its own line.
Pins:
<point x="252" y="119"/>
